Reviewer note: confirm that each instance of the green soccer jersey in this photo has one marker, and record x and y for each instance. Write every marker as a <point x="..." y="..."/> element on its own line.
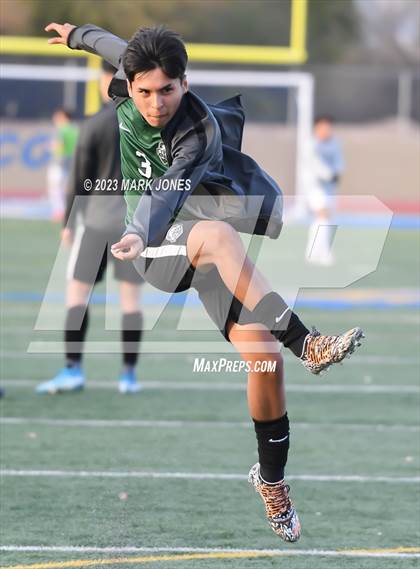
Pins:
<point x="67" y="135"/>
<point x="143" y="154"/>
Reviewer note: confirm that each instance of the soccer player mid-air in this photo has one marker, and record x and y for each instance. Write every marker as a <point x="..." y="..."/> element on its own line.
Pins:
<point x="188" y="237"/>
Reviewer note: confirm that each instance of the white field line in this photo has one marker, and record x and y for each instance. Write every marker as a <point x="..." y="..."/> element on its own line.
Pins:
<point x="382" y="552"/>
<point x="150" y="424"/>
<point x="161" y="351"/>
<point x="202" y="476"/>
<point x="199" y="349"/>
<point x="236" y="386"/>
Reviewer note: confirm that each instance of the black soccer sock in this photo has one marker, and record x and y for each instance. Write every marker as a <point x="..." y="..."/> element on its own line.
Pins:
<point x="131" y="333"/>
<point x="77" y="321"/>
<point x="285" y="325"/>
<point x="273" y="447"/>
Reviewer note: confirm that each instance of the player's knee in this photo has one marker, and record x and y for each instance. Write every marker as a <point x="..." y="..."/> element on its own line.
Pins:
<point x="78" y="292"/>
<point x="219" y="235"/>
<point x="269" y="367"/>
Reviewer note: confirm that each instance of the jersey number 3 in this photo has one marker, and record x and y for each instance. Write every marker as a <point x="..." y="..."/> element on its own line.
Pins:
<point x="145" y="166"/>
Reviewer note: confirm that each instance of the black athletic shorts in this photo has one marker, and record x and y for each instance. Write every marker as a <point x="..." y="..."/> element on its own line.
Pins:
<point x="166" y="266"/>
<point x="90" y="254"/>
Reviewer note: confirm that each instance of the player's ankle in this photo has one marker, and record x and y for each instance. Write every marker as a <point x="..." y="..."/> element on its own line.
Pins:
<point x="273" y="312"/>
<point x="273" y="448"/>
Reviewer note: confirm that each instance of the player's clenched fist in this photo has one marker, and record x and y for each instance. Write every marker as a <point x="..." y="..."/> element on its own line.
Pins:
<point x="63" y="31"/>
<point x="129" y="248"/>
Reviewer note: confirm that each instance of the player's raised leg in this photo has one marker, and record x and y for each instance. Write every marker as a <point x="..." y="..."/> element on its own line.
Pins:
<point x="215" y="243"/>
<point x="267" y="406"/>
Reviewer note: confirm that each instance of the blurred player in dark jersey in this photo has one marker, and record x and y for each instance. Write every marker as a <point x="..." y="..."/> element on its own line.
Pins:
<point x="94" y="221"/>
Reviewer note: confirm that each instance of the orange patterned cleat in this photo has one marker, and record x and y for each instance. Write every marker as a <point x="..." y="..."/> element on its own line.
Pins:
<point x="280" y="510"/>
<point x="320" y="352"/>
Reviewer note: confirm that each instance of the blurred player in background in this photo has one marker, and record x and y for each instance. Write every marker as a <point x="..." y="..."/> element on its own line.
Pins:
<point x="169" y="135"/>
<point x="97" y="157"/>
<point x="63" y="147"/>
<point x="323" y="170"/>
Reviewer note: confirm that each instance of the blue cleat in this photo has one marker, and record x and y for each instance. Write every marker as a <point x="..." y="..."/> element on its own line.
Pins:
<point x="128" y="382"/>
<point x="68" y="379"/>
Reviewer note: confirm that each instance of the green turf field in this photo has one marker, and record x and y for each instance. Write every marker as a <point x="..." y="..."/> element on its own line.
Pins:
<point x="160" y="477"/>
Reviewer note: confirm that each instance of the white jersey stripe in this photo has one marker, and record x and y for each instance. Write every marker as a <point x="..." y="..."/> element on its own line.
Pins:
<point x="164" y="251"/>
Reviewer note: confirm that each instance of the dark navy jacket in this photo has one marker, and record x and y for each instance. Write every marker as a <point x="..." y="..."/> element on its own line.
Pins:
<point x="203" y="144"/>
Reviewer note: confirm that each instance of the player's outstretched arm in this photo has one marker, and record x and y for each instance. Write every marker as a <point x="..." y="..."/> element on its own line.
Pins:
<point x="89" y="38"/>
<point x="63" y="31"/>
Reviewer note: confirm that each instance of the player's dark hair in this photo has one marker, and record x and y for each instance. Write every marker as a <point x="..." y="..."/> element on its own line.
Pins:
<point x="324" y="118"/>
<point x="152" y="48"/>
<point x="107" y="67"/>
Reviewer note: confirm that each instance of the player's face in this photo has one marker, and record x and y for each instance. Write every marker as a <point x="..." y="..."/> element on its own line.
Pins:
<point x="157" y="96"/>
<point x="323" y="130"/>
